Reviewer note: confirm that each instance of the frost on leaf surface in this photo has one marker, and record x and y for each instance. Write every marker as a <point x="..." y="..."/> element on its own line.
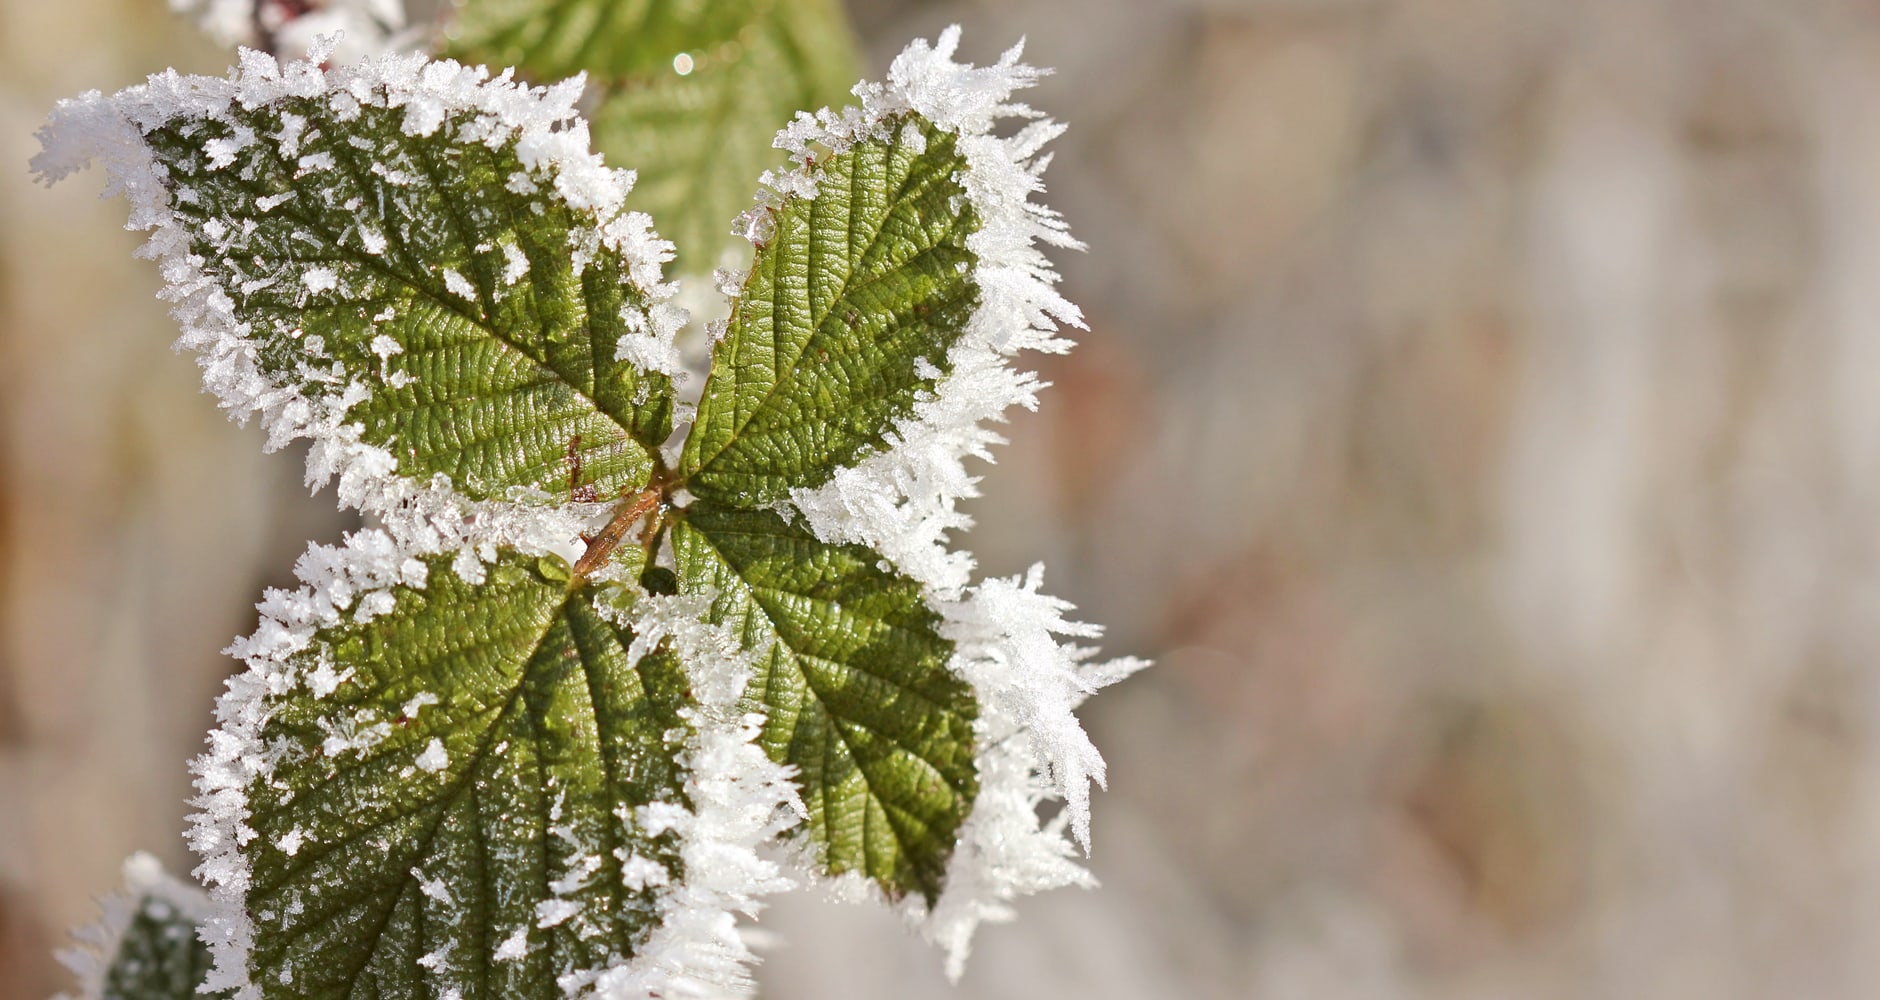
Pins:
<point x="144" y="946"/>
<point x="852" y="679"/>
<point x="688" y="94"/>
<point x="480" y="788"/>
<point x="470" y="791"/>
<point x="419" y="268"/>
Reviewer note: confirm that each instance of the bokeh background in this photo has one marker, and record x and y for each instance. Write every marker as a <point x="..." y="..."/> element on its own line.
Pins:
<point x="1480" y="424"/>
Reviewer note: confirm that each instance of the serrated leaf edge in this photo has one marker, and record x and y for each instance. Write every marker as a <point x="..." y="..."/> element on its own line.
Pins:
<point x="553" y="144"/>
<point x="903" y="499"/>
<point x="95" y="945"/>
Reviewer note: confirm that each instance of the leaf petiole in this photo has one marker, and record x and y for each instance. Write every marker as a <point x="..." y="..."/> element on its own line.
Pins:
<point x="603" y="544"/>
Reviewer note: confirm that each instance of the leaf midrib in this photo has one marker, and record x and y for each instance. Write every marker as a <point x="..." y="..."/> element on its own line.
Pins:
<point x="451" y="798"/>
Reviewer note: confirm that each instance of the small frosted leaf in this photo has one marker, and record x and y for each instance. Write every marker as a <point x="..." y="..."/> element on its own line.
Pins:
<point x="858" y="291"/>
<point x="853" y="682"/>
<point x="413" y="265"/>
<point x="484" y="803"/>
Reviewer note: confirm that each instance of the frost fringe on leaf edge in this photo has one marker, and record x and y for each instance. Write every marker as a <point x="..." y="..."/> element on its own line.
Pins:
<point x="903" y="500"/>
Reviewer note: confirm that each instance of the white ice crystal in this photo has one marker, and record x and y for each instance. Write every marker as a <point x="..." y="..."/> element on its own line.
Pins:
<point x="319" y="279"/>
<point x="416" y="703"/>
<point x="460" y="286"/>
<point x="515" y="264"/>
<point x="515" y="947"/>
<point x="434" y="758"/>
<point x="903" y="500"/>
<point x="1006" y="633"/>
<point x="290" y="841"/>
<point x="650" y="342"/>
<point x="433" y="888"/>
<point x="97" y="944"/>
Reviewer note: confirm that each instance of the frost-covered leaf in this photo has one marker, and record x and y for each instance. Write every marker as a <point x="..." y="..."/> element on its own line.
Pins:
<point x="689" y="94"/>
<point x="477" y="789"/>
<point x="144" y="946"/>
<point x="853" y="681"/>
<point x="861" y="284"/>
<point x="404" y="261"/>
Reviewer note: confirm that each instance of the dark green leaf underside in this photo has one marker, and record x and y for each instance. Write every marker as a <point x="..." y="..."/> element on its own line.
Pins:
<point x="846" y="319"/>
<point x="159" y="957"/>
<point x="451" y="298"/>
<point x="446" y="828"/>
<point x="698" y="139"/>
<point x="853" y="680"/>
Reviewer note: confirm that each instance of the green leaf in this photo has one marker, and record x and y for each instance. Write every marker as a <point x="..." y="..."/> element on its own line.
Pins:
<point x="467" y="305"/>
<point x="465" y="808"/>
<point x="845" y="320"/>
<point x="853" y="681"/>
<point x="697" y="138"/>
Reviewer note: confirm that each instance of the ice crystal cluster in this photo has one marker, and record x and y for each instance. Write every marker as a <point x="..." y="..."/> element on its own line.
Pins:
<point x="604" y="669"/>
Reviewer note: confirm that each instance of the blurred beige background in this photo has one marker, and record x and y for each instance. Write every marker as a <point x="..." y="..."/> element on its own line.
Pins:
<point x="1480" y="424"/>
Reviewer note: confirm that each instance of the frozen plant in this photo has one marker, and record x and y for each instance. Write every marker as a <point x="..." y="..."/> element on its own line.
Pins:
<point x="606" y="668"/>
